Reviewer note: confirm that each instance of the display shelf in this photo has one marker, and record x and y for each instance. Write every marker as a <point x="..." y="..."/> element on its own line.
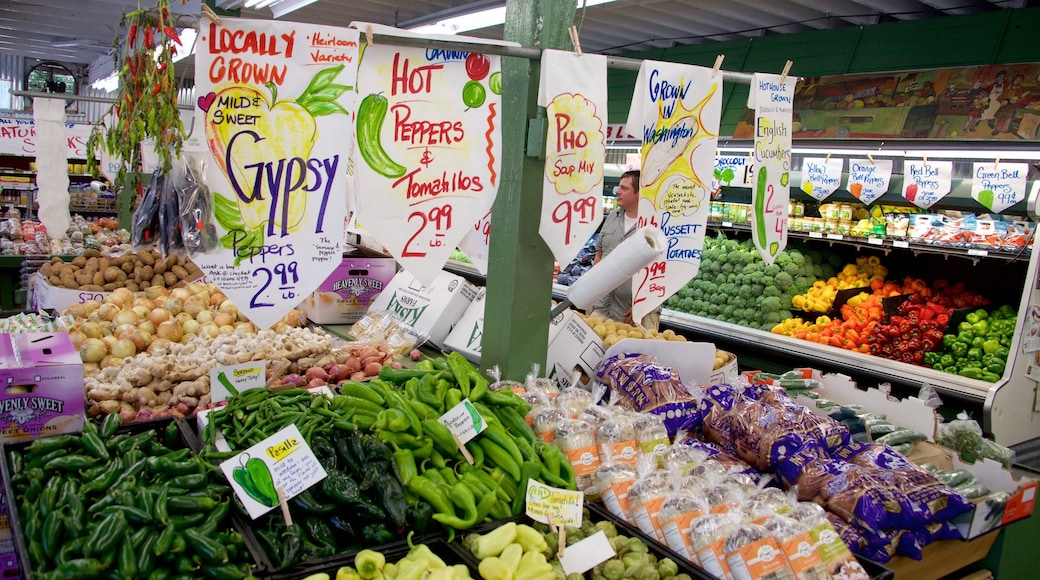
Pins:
<point x="889" y="244"/>
<point x="835" y="358"/>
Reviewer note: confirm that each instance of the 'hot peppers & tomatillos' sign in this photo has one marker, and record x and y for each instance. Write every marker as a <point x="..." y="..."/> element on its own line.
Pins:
<point x="276" y="101"/>
<point x="428" y="155"/>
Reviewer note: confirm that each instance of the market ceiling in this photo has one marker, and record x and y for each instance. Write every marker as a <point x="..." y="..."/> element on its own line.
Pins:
<point x="79" y="31"/>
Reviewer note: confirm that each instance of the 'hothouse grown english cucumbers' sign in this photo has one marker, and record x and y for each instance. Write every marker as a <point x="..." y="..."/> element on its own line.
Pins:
<point x="275" y="102"/>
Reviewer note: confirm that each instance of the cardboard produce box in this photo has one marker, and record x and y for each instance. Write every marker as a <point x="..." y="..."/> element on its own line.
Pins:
<point x="1009" y="500"/>
<point x="467" y="336"/>
<point x="432" y="310"/>
<point x="43" y="296"/>
<point x="344" y="297"/>
<point x="573" y="346"/>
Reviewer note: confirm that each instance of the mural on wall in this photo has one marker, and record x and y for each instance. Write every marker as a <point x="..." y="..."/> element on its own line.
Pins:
<point x="979" y="102"/>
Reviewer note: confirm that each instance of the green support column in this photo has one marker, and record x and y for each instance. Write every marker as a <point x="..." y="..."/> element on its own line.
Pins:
<point x="519" y="281"/>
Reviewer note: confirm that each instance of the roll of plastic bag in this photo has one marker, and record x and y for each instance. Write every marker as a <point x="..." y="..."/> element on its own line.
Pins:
<point x="618" y="267"/>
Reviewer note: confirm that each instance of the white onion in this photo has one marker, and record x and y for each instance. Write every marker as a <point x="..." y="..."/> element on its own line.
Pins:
<point x="92" y="350"/>
<point x="190" y="326"/>
<point x="223" y="319"/>
<point x="159" y="315"/>
<point x="169" y="330"/>
<point x="124" y="348"/>
<point x="77" y="338"/>
<point x="174" y="305"/>
<point x="108" y="311"/>
<point x="126" y="316"/>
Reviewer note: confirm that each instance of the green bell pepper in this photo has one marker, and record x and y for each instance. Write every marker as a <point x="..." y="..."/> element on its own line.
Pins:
<point x="930" y="358"/>
<point x="971" y="318"/>
<point x="974" y="353"/>
<point x="946" y="360"/>
<point x="960" y="349"/>
<point x="966" y="325"/>
<point x="980" y="328"/>
<point x="991" y="346"/>
<point x="990" y="377"/>
<point x="971" y="372"/>
<point x="996" y="368"/>
<point x="948" y="340"/>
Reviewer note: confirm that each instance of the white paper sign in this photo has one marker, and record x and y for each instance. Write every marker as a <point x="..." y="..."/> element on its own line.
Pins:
<point x="429" y="148"/>
<point x="18" y="137"/>
<point x="999" y="186"/>
<point x="868" y="180"/>
<point x="553" y="505"/>
<point x="926" y="182"/>
<point x="573" y="90"/>
<point x="476" y="243"/>
<point x="585" y="555"/>
<point x="283" y="460"/>
<point x="772" y="98"/>
<point x="276" y="103"/>
<point x="225" y="381"/>
<point x="731" y="171"/>
<point x="676" y="110"/>
<point x="463" y="421"/>
<point x="821" y="176"/>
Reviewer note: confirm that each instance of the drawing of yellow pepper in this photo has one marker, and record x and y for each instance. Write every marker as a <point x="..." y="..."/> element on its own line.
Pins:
<point x="263" y="146"/>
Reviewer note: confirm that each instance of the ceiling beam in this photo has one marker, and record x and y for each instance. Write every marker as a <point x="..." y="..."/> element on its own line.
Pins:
<point x="795" y="13"/>
<point x="900" y="9"/>
<point x="843" y="10"/>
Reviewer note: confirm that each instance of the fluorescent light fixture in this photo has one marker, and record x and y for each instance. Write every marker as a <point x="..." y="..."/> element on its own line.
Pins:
<point x="477" y="20"/>
<point x="286" y="6"/>
<point x="108" y="84"/>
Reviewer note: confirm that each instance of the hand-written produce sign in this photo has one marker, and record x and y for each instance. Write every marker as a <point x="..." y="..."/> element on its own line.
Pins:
<point x="282" y="461"/>
<point x="999" y="186"/>
<point x="18" y="137"/>
<point x="821" y="176"/>
<point x="868" y="178"/>
<point x="676" y="111"/>
<point x="275" y="102"/>
<point x="772" y="98"/>
<point x="926" y="182"/>
<point x="731" y="171"/>
<point x="575" y="148"/>
<point x="476" y="243"/>
<point x="429" y="141"/>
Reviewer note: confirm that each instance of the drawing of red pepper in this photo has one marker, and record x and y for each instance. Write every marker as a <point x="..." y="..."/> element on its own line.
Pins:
<point x="911" y="192"/>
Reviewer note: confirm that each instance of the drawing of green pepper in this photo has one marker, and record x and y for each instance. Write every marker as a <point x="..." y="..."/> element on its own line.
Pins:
<point x="255" y="479"/>
<point x="370" y="118"/>
<point x="986" y="198"/>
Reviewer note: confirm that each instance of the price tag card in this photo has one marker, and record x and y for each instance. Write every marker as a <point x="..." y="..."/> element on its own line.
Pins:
<point x="727" y="224"/>
<point x="900" y="244"/>
<point x="427" y="164"/>
<point x="926" y="182"/>
<point x="476" y="243"/>
<point x="835" y="237"/>
<point x="585" y="555"/>
<point x="817" y="235"/>
<point x="999" y="186"/>
<point x="982" y="253"/>
<point x="679" y="128"/>
<point x="573" y="90"/>
<point x="283" y="460"/>
<point x="276" y="118"/>
<point x="772" y="98"/>
<point x="876" y="241"/>
<point x="553" y="505"/>
<point x="230" y="380"/>
<point x="731" y="171"/>
<point x="463" y="421"/>
<point x="821" y="176"/>
<point x="868" y="179"/>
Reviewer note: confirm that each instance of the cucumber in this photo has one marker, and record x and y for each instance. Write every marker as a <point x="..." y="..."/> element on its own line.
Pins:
<point x="851" y="410"/>
<point x="956" y="478"/>
<point x="873" y="416"/>
<point x="903" y="448"/>
<point x="930" y="467"/>
<point x="902" y="436"/>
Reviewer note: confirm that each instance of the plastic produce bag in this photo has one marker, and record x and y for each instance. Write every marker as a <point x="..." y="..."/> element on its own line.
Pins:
<point x="144" y="226"/>
<point x="196" y="206"/>
<point x="964" y="435"/>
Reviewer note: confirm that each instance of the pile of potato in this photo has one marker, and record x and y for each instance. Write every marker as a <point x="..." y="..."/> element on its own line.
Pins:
<point x="133" y="271"/>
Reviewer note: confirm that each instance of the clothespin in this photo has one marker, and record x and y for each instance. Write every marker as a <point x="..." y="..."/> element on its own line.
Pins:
<point x="828" y="157"/>
<point x="996" y="162"/>
<point x="871" y="158"/>
<point x="924" y="160"/>
<point x="787" y="69"/>
<point x="368" y="34"/>
<point x="718" y="65"/>
<point x="573" y="31"/>
<point x="209" y="13"/>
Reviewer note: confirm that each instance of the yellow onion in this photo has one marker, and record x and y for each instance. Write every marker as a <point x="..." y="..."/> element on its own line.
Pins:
<point x="195" y="304"/>
<point x="204" y="316"/>
<point x="156" y="292"/>
<point x="92" y="350"/>
<point x="126" y="316"/>
<point x="169" y="330"/>
<point x="190" y="326"/>
<point x="123" y="348"/>
<point x="147" y="326"/>
<point x="77" y="338"/>
<point x="108" y="311"/>
<point x="174" y="305"/>
<point x="223" y="319"/>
